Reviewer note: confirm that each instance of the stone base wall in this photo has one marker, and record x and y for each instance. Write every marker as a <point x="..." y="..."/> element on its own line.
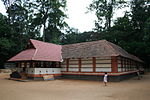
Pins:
<point x="42" y="79"/>
<point x="116" y="78"/>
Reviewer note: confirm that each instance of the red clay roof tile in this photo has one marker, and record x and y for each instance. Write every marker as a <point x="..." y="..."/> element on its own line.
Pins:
<point x="43" y="52"/>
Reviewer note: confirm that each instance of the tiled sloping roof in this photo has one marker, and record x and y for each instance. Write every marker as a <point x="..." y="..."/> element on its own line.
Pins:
<point x="87" y="49"/>
<point x="23" y="55"/>
<point x="123" y="53"/>
<point x="99" y="48"/>
<point x="42" y="51"/>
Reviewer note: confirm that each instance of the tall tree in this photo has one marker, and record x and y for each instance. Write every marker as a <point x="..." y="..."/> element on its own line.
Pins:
<point x="49" y="15"/>
<point x="6" y="42"/>
<point x="18" y="16"/>
<point x="140" y="10"/>
<point x="131" y="32"/>
<point x="104" y="10"/>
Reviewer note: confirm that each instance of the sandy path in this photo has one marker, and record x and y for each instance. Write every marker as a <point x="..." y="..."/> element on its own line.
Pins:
<point x="132" y="89"/>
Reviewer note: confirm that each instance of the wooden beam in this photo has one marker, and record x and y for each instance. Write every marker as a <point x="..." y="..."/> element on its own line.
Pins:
<point x="114" y="64"/>
<point x="59" y="64"/>
<point x="67" y="62"/>
<point x="94" y="64"/>
<point x="79" y="64"/>
<point x="121" y="60"/>
<point x="124" y="64"/>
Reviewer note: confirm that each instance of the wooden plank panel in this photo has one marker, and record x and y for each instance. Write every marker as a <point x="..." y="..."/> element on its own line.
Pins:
<point x="90" y="65"/>
<point x="86" y="59"/>
<point x="103" y="65"/>
<point x="73" y="65"/>
<point x="103" y="61"/>
<point x="103" y="69"/>
<point x="119" y="65"/>
<point x="73" y="62"/>
<point x="79" y="64"/>
<point x="119" y="69"/>
<point x="63" y="69"/>
<point x="86" y="69"/>
<point x="87" y="62"/>
<point x="73" y="69"/>
<point x="103" y="58"/>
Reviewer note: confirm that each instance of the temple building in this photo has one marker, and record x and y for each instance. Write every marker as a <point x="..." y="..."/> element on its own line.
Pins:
<point x="87" y="60"/>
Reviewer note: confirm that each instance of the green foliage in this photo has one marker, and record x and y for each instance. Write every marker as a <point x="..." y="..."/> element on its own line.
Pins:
<point x="147" y="30"/>
<point x="71" y="37"/>
<point x="6" y="43"/>
<point x="131" y="32"/>
<point x="132" y="37"/>
<point x="104" y="10"/>
<point x="25" y="20"/>
<point x="74" y="36"/>
<point x="27" y="17"/>
<point x="50" y="15"/>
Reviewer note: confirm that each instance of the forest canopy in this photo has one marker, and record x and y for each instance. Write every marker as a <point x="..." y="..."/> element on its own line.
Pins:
<point x="25" y="18"/>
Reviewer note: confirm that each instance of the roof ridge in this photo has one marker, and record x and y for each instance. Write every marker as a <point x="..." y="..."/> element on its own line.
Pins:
<point x="32" y="43"/>
<point x="43" y="42"/>
<point x="107" y="43"/>
<point x="34" y="54"/>
<point x="84" y="42"/>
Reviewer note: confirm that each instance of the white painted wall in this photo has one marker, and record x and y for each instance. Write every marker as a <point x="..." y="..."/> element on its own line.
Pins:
<point x="103" y="65"/>
<point x="86" y="69"/>
<point x="47" y="70"/>
<point x="30" y="70"/>
<point x="87" y="65"/>
<point x="74" y="65"/>
<point x="103" y="69"/>
<point x="41" y="70"/>
<point x="119" y="69"/>
<point x="64" y="69"/>
<point x="74" y="69"/>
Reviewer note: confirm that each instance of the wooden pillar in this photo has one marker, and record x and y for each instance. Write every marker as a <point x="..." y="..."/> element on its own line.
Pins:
<point x="127" y="65"/>
<point x="19" y="64"/>
<point x="79" y="63"/>
<point x="67" y="62"/>
<point x="59" y="64"/>
<point x="130" y="65"/>
<point x="114" y="64"/>
<point x="31" y="64"/>
<point x="121" y="59"/>
<point x="25" y="64"/>
<point x="94" y="64"/>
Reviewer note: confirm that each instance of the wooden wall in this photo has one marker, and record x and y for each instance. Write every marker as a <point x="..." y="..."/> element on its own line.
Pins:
<point x="126" y="64"/>
<point x="100" y="64"/>
<point x="103" y="64"/>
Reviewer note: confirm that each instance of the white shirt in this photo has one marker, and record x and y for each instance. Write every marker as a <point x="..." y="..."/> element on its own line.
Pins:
<point x="105" y="78"/>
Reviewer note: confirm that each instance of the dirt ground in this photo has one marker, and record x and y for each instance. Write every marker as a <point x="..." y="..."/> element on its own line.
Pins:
<point x="131" y="89"/>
